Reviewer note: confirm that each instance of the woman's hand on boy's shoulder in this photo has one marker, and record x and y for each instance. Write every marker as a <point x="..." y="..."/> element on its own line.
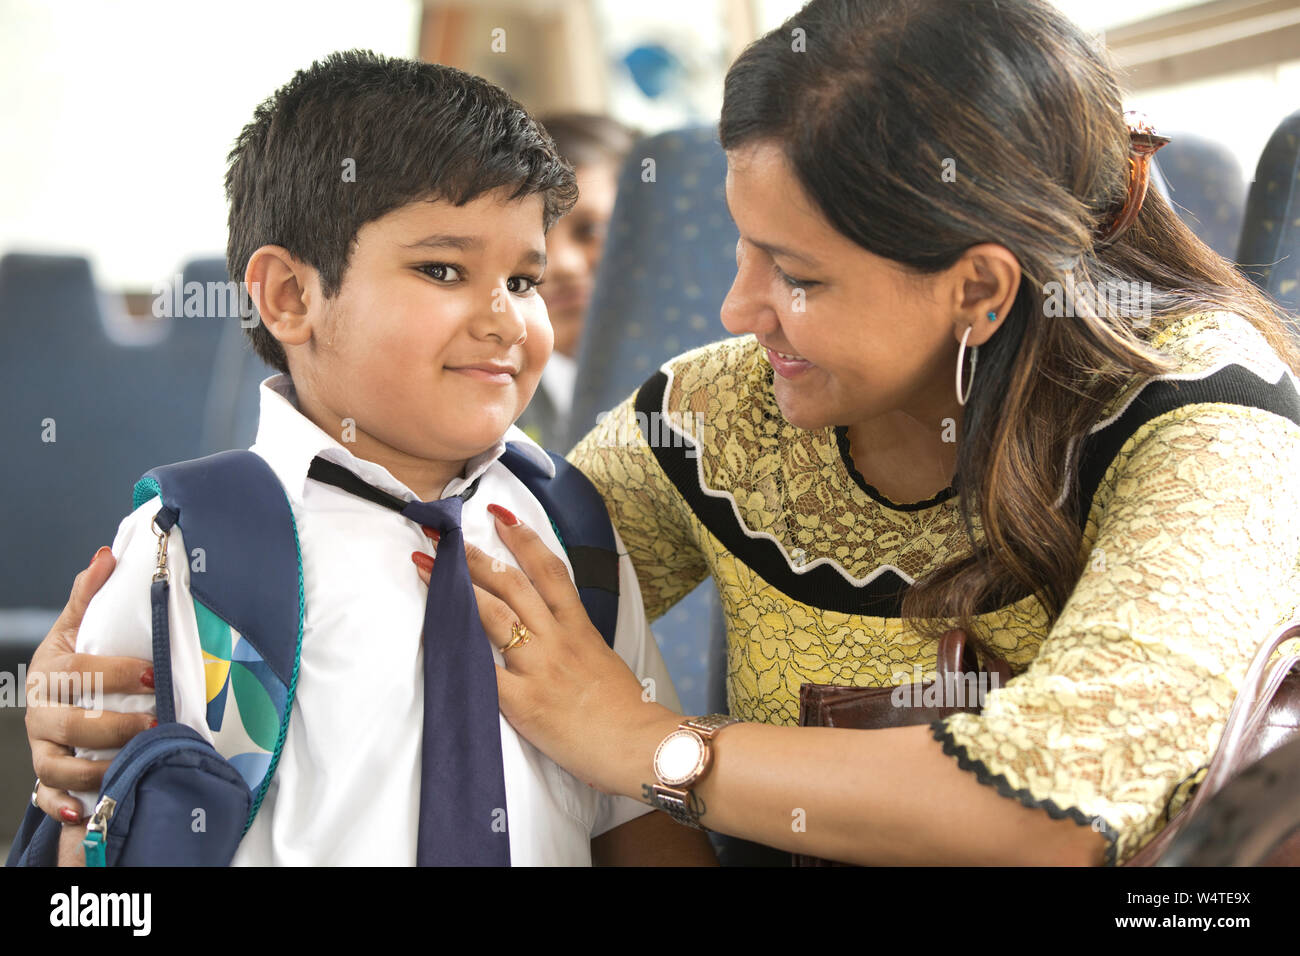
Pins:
<point x="565" y="690"/>
<point x="55" y="725"/>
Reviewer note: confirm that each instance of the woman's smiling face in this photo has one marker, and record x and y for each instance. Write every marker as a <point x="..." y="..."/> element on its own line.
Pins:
<point x="850" y="335"/>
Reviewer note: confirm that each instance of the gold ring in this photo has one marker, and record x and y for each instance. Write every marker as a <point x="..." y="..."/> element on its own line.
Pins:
<point x="519" y="636"/>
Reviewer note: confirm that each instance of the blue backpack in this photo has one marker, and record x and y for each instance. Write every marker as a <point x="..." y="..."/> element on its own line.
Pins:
<point x="169" y="798"/>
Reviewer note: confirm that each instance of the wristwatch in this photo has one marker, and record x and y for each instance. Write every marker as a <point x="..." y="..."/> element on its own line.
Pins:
<point x="681" y="761"/>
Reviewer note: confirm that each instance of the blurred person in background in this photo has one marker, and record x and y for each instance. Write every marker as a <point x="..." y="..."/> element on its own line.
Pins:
<point x="595" y="146"/>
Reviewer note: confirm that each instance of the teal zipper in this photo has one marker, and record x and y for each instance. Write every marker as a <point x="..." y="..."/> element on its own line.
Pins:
<point x="96" y="841"/>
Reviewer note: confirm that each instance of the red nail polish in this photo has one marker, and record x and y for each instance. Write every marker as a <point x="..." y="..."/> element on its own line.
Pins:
<point x="422" y="560"/>
<point x="506" y="517"/>
<point x="69" y="815"/>
<point x="152" y="724"/>
<point x="430" y="533"/>
<point x="147" y="677"/>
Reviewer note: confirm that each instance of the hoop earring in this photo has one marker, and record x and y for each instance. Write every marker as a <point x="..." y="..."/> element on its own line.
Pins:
<point x="961" y="359"/>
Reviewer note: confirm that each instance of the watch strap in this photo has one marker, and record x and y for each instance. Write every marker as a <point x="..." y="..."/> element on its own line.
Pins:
<point x="677" y="804"/>
<point x="709" y="725"/>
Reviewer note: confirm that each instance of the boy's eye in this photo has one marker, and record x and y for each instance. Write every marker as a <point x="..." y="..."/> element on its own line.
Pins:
<point x="441" y="272"/>
<point x="522" y="285"/>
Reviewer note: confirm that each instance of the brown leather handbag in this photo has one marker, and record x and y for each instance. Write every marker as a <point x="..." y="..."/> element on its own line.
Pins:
<point x="1265" y="715"/>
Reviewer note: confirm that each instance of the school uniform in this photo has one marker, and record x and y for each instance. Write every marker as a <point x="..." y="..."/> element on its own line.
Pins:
<point x="347" y="787"/>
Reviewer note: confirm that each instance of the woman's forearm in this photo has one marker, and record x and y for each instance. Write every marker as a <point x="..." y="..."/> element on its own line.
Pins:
<point x="878" y="797"/>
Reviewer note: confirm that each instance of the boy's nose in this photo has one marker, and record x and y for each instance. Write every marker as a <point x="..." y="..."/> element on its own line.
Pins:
<point x="503" y="319"/>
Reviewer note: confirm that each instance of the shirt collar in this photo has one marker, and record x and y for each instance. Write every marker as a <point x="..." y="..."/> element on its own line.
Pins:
<point x="288" y="440"/>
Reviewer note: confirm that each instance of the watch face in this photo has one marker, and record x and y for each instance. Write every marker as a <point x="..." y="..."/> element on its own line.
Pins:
<point x="680" y="758"/>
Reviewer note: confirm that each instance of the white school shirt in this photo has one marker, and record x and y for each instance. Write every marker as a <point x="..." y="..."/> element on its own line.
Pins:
<point x="347" y="788"/>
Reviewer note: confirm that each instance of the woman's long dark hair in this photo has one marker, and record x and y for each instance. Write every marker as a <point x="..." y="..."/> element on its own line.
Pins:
<point x="872" y="102"/>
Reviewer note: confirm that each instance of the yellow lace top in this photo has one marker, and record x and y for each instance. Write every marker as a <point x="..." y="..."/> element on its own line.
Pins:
<point x="1191" y="554"/>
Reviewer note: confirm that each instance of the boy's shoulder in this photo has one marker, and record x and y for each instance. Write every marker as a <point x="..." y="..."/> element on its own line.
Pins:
<point x="526" y="450"/>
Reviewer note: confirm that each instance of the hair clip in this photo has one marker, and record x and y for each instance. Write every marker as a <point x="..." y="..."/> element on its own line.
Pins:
<point x="1143" y="143"/>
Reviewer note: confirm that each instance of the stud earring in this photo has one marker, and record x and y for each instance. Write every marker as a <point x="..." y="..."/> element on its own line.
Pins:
<point x="993" y="316"/>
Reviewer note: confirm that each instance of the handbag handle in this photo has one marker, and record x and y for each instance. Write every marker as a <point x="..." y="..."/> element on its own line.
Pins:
<point x="1257" y="690"/>
<point x="956" y="656"/>
<point x="1261" y="684"/>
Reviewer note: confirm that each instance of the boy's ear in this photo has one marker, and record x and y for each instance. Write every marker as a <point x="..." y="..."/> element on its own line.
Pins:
<point x="280" y="286"/>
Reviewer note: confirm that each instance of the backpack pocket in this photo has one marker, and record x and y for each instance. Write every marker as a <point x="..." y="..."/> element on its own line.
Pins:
<point x="169" y="799"/>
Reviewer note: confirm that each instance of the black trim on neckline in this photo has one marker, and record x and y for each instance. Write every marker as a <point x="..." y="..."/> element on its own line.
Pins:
<point x="821" y="587"/>
<point x="1231" y="385"/>
<point x="825" y="588"/>
<point x="846" y="456"/>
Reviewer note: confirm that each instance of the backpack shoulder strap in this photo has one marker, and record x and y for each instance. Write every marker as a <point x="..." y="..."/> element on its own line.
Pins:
<point x="246" y="583"/>
<point x="582" y="524"/>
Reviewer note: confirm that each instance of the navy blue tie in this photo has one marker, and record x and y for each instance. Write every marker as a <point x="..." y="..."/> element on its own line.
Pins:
<point x="463" y="818"/>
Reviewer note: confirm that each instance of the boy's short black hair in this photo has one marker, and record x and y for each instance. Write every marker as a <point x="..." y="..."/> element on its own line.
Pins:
<point x="357" y="135"/>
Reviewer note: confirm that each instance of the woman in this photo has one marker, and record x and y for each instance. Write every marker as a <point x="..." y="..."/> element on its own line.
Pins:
<point x="1107" y="498"/>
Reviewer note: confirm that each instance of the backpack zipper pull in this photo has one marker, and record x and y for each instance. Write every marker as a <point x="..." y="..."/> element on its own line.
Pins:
<point x="160" y="572"/>
<point x="96" y="841"/>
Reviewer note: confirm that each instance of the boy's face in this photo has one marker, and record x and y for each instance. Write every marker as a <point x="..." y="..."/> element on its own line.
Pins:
<point x="437" y="337"/>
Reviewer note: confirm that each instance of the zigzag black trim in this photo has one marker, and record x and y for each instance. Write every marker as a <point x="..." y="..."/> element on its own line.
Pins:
<point x="821" y="587"/>
<point x="824" y="587"/>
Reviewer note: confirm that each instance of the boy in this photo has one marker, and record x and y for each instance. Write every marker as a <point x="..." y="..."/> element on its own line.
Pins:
<point x="389" y="218"/>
